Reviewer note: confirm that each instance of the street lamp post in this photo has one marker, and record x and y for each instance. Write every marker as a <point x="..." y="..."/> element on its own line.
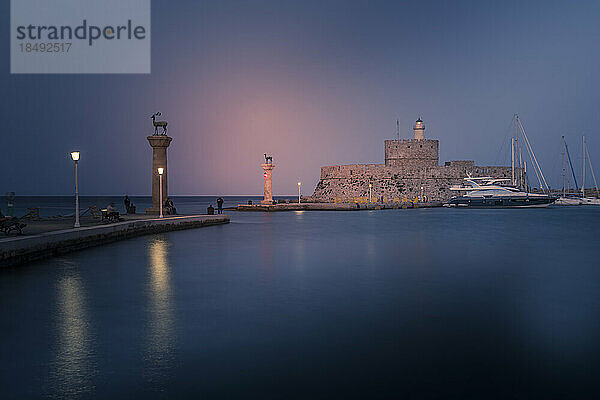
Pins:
<point x="422" y="193"/>
<point x="160" y="174"/>
<point x="299" y="184"/>
<point x="75" y="157"/>
<point x="370" y="198"/>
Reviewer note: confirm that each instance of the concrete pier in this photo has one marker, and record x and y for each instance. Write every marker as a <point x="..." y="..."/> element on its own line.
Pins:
<point x="16" y="250"/>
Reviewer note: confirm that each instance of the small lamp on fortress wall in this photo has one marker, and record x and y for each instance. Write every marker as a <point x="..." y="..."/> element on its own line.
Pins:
<point x="370" y="187"/>
<point x="75" y="157"/>
<point x="160" y="177"/>
<point x="299" y="184"/>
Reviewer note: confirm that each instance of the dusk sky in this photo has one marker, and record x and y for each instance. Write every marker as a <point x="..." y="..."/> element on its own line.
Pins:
<point x="312" y="83"/>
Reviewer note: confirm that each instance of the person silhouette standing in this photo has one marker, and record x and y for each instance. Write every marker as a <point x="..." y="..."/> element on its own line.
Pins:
<point x="220" y="205"/>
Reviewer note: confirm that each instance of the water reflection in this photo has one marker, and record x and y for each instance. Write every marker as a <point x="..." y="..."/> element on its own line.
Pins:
<point x="299" y="253"/>
<point x="161" y="321"/>
<point x="370" y="246"/>
<point x="266" y="244"/>
<point x="559" y="323"/>
<point x="72" y="370"/>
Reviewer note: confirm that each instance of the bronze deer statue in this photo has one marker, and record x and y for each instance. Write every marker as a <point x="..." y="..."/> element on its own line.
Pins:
<point x="157" y="124"/>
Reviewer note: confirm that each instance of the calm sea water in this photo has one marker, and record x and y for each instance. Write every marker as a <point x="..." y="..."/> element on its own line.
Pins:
<point x="50" y="206"/>
<point x="426" y="303"/>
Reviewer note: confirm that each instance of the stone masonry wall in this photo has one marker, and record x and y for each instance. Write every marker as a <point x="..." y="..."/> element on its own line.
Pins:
<point x="346" y="183"/>
<point x="413" y="153"/>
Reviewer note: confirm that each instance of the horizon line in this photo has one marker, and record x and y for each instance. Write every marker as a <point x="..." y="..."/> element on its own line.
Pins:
<point x="150" y="195"/>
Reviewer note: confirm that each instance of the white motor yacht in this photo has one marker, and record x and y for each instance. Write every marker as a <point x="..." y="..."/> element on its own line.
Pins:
<point x="486" y="192"/>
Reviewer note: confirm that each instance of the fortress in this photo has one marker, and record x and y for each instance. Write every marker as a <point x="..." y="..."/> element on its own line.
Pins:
<point x="411" y="171"/>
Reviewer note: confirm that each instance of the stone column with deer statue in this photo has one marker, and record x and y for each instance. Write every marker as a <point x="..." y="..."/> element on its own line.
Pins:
<point x="159" y="143"/>
<point x="268" y="168"/>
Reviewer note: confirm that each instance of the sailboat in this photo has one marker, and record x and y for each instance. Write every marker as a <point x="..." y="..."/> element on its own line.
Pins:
<point x="586" y="155"/>
<point x="564" y="199"/>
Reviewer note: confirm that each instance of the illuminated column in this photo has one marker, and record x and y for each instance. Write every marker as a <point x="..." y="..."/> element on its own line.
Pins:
<point x="268" y="167"/>
<point x="159" y="144"/>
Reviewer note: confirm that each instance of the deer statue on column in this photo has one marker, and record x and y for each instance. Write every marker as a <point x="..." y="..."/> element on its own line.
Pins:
<point x="157" y="124"/>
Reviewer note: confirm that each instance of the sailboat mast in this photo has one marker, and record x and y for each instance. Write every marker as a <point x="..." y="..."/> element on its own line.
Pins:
<point x="583" y="166"/>
<point x="564" y="171"/>
<point x="526" y="184"/>
<point x="536" y="165"/>
<point x="512" y="156"/>
<point x="514" y="148"/>
<point x="520" y="169"/>
<point x="571" y="166"/>
<point x="592" y="170"/>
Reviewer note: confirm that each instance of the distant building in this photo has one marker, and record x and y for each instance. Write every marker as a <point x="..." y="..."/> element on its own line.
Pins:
<point x="411" y="170"/>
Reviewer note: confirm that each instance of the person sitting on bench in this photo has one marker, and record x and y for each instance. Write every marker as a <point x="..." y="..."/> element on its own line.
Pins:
<point x="111" y="212"/>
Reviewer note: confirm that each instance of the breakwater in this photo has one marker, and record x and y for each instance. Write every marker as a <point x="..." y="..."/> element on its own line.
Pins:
<point x="334" y="206"/>
<point x="22" y="249"/>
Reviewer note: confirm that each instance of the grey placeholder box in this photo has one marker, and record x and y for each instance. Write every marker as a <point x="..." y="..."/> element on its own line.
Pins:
<point x="80" y="36"/>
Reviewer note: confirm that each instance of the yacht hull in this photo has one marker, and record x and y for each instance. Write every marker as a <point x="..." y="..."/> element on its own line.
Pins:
<point x="508" y="202"/>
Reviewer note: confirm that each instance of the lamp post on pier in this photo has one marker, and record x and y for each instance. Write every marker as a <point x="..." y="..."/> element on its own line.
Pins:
<point x="370" y="187"/>
<point x="160" y="178"/>
<point x="299" y="184"/>
<point x="75" y="157"/>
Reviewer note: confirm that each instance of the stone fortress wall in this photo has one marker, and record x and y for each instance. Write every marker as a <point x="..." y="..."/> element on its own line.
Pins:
<point x="408" y="153"/>
<point x="411" y="170"/>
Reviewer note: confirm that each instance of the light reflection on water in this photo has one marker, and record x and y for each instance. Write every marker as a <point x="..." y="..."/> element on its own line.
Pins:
<point x="158" y="350"/>
<point x="266" y="238"/>
<point x="299" y="244"/>
<point x="71" y="372"/>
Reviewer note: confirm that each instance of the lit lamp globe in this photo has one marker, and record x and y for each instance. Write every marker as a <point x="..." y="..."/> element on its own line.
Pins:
<point x="75" y="155"/>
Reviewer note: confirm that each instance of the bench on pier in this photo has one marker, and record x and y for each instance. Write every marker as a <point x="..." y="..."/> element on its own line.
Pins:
<point x="9" y="224"/>
<point x="110" y="216"/>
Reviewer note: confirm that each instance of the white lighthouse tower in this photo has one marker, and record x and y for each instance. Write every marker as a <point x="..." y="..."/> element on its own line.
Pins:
<point x="419" y="129"/>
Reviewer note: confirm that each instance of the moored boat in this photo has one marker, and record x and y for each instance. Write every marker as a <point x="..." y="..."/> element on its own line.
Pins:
<point x="568" y="201"/>
<point x="589" y="201"/>
<point x="486" y="192"/>
<point x="565" y="199"/>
